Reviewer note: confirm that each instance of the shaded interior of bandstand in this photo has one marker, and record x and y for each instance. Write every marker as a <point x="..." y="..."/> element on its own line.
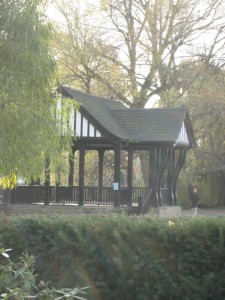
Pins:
<point x="164" y="164"/>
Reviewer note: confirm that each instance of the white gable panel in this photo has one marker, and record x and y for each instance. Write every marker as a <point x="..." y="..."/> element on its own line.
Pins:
<point x="98" y="133"/>
<point x="183" y="136"/>
<point x="78" y="124"/>
<point x="91" y="130"/>
<point x="84" y="127"/>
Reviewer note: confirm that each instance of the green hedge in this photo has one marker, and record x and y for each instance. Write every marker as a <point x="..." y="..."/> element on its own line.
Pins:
<point x="123" y="257"/>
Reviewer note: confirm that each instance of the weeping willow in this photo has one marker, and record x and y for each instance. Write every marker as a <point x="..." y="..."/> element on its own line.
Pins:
<point x="8" y="182"/>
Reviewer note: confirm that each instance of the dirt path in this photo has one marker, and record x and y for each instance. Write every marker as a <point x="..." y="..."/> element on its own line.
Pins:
<point x="207" y="212"/>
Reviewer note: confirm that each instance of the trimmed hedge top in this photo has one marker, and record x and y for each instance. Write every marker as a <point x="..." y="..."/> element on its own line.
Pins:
<point x="124" y="257"/>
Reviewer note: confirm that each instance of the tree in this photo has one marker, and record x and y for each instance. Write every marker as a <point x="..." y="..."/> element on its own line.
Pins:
<point x="153" y="35"/>
<point x="28" y="127"/>
<point x="206" y="103"/>
<point x="78" y="48"/>
<point x="155" y="43"/>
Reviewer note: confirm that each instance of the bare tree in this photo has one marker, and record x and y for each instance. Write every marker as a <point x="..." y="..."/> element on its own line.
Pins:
<point x="131" y="49"/>
<point x="78" y="49"/>
<point x="154" y="36"/>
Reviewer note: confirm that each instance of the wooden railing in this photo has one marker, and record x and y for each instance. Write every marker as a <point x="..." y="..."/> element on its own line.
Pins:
<point x="138" y="192"/>
<point x="68" y="195"/>
<point x="92" y="195"/>
<point x="62" y="194"/>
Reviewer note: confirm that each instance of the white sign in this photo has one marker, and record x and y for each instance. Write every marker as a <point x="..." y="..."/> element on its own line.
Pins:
<point x="115" y="186"/>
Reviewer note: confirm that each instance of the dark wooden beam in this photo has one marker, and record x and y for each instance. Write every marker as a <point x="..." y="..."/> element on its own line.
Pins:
<point x="130" y="167"/>
<point x="117" y="160"/>
<point x="100" y="166"/>
<point x="100" y="171"/>
<point x="180" y="164"/>
<point x="71" y="168"/>
<point x="165" y="159"/>
<point x="176" y="166"/>
<point x="81" y="175"/>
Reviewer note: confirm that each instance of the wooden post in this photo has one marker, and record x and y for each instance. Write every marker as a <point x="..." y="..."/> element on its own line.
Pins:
<point x="71" y="168"/>
<point x="176" y="167"/>
<point x="130" y="168"/>
<point x="154" y="171"/>
<point x="130" y="173"/>
<point x="171" y="169"/>
<point x="100" y="166"/>
<point x="81" y="175"/>
<point x="152" y="167"/>
<point x="180" y="164"/>
<point x="100" y="169"/>
<point x="165" y="159"/>
<point x="117" y="159"/>
<point x="159" y="160"/>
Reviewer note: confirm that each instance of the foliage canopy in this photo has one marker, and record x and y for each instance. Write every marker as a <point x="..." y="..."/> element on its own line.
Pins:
<point x="28" y="127"/>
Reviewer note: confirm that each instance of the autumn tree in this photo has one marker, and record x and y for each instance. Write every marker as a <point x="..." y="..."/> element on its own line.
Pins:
<point x="151" y="45"/>
<point x="78" y="48"/>
<point x="155" y="35"/>
<point x="141" y="42"/>
<point x="206" y="104"/>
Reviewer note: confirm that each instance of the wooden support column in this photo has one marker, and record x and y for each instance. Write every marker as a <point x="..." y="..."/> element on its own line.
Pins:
<point x="130" y="168"/>
<point x="152" y="167"/>
<point x="71" y="168"/>
<point x="170" y="179"/>
<point x="154" y="171"/>
<point x="130" y="175"/>
<point x="180" y="164"/>
<point x="100" y="170"/>
<point x="160" y="158"/>
<point x="176" y="166"/>
<point x="165" y="159"/>
<point x="81" y="175"/>
<point x="100" y="167"/>
<point x="117" y="159"/>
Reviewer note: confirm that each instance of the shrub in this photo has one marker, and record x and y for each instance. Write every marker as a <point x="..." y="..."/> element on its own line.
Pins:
<point x="123" y="257"/>
<point x="17" y="281"/>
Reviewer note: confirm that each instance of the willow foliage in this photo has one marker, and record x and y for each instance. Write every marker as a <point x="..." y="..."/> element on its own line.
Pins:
<point x="28" y="127"/>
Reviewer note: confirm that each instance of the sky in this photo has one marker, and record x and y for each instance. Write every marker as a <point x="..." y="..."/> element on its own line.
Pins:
<point x="54" y="15"/>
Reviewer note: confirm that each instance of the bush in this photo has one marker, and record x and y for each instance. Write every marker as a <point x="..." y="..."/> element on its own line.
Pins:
<point x="123" y="257"/>
<point x="18" y="282"/>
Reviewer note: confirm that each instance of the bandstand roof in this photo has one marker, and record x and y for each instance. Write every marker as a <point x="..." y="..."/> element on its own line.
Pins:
<point x="111" y="118"/>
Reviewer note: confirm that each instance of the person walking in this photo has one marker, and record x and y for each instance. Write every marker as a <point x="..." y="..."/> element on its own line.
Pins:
<point x="194" y="197"/>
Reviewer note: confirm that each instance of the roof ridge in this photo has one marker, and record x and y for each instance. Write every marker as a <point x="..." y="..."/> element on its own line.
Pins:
<point x="153" y="108"/>
<point x="91" y="95"/>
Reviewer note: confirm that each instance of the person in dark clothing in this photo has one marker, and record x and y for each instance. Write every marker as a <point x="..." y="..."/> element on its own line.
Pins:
<point x="194" y="197"/>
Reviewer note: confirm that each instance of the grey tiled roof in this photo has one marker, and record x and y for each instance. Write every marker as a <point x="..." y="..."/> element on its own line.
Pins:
<point x="137" y="125"/>
<point x="101" y="109"/>
<point x="151" y="125"/>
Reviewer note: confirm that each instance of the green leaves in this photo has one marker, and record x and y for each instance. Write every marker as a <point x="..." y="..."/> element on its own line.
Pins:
<point x="18" y="281"/>
<point x="28" y="129"/>
<point x="118" y="257"/>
